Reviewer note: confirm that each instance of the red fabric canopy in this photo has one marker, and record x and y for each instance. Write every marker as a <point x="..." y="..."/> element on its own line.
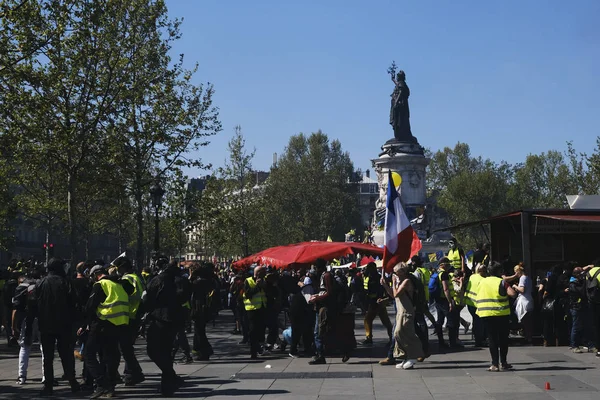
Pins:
<point x="366" y="260"/>
<point x="306" y="253"/>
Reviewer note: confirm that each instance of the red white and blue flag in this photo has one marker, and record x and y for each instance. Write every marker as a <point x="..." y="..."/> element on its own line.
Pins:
<point x="401" y="241"/>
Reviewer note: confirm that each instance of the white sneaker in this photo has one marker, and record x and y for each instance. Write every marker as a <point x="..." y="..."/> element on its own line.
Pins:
<point x="408" y="364"/>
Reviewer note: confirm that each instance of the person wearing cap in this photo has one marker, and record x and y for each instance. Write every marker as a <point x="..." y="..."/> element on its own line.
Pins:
<point x="107" y="317"/>
<point x="133" y="372"/>
<point x="255" y="303"/>
<point x="446" y="306"/>
<point x="53" y="303"/>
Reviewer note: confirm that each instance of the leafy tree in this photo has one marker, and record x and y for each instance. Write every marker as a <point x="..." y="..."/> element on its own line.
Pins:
<point x="585" y="169"/>
<point x="470" y="188"/>
<point x="59" y="92"/>
<point x="310" y="194"/>
<point x="230" y="204"/>
<point x="163" y="116"/>
<point x="543" y="181"/>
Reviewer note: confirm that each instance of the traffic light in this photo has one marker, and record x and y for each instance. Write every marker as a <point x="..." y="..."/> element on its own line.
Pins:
<point x="50" y="248"/>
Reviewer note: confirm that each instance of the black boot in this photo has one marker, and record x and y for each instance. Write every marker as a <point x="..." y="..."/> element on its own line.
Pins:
<point x="317" y="360"/>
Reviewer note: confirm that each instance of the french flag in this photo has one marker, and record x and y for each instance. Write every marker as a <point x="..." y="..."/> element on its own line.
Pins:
<point x="401" y="241"/>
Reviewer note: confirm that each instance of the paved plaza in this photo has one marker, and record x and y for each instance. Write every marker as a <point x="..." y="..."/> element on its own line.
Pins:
<point x="447" y="376"/>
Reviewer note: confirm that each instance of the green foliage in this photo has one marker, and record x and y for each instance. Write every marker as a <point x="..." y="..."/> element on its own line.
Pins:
<point x="543" y="181"/>
<point x="309" y="194"/>
<point x="93" y="109"/>
<point x="472" y="188"/>
<point x="230" y="205"/>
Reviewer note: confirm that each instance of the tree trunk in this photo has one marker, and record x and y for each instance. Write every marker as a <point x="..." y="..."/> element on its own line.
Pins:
<point x="139" y="219"/>
<point x="71" y="216"/>
<point x="47" y="255"/>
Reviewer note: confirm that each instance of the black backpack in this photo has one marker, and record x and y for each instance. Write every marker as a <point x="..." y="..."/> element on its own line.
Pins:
<point x="419" y="300"/>
<point x="592" y="287"/>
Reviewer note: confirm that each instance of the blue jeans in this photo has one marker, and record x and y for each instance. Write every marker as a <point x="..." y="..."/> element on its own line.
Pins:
<point x="576" y="327"/>
<point x="580" y="328"/>
<point x="318" y="342"/>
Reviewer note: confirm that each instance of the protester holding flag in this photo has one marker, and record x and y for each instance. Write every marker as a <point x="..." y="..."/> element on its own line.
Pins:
<point x="401" y="241"/>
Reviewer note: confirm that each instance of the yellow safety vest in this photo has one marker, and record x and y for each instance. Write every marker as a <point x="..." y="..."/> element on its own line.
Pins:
<point x="489" y="302"/>
<point x="592" y="271"/>
<point x="366" y="286"/>
<point x="454" y="257"/>
<point x="471" y="291"/>
<point x="136" y="297"/>
<point x="258" y="301"/>
<point x="425" y="276"/>
<point x="450" y="285"/>
<point x="115" y="308"/>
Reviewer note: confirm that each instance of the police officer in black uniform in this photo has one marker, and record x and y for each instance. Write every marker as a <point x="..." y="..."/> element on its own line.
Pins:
<point x="165" y="296"/>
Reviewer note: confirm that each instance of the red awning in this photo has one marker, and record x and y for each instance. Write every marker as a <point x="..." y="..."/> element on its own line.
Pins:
<point x="571" y="217"/>
<point x="306" y="253"/>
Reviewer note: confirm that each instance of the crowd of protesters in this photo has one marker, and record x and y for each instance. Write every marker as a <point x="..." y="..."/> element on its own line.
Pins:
<point x="97" y="311"/>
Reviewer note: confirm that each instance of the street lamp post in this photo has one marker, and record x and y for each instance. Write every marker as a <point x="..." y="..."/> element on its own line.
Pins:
<point x="157" y="193"/>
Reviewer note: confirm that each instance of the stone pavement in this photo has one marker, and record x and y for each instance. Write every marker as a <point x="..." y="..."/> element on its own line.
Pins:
<point x="444" y="376"/>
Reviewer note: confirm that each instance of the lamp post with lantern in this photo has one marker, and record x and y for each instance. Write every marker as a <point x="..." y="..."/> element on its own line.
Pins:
<point x="156" y="193"/>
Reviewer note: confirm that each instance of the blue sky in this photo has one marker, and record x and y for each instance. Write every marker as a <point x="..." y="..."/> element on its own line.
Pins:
<point x="509" y="78"/>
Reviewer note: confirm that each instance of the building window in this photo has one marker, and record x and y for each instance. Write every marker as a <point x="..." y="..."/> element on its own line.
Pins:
<point x="372" y="188"/>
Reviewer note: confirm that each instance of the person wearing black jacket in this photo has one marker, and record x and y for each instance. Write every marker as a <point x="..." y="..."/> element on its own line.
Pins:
<point x="54" y="306"/>
<point x="165" y="296"/>
<point x="203" y="283"/>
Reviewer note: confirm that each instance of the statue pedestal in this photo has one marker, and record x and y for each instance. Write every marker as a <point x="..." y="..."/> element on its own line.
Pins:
<point x="408" y="160"/>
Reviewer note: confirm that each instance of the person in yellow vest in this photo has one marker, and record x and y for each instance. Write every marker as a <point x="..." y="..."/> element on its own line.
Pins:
<point x="470" y="298"/>
<point x="255" y="303"/>
<point x="456" y="255"/>
<point x="493" y="308"/>
<point x="446" y="306"/>
<point x="133" y="372"/>
<point x="107" y="316"/>
<point x="374" y="294"/>
<point x="592" y="273"/>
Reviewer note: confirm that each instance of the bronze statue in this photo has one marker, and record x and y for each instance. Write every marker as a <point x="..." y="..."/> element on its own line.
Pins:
<point x="399" y="111"/>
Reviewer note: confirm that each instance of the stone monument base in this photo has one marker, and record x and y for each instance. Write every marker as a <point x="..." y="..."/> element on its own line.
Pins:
<point x="408" y="160"/>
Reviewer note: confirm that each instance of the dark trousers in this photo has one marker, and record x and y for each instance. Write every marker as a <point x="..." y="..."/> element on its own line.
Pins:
<point x="596" y="324"/>
<point x="159" y="337"/>
<point x="201" y="345"/>
<point x="64" y="344"/>
<point x="256" y="323"/>
<point x="452" y="319"/>
<point x="302" y="328"/>
<point x="377" y="309"/>
<point x="244" y="323"/>
<point x="272" y="322"/>
<point x="181" y="342"/>
<point x="103" y="340"/>
<point x="497" y="330"/>
<point x="127" y="333"/>
<point x="478" y="328"/>
<point x="422" y="331"/>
